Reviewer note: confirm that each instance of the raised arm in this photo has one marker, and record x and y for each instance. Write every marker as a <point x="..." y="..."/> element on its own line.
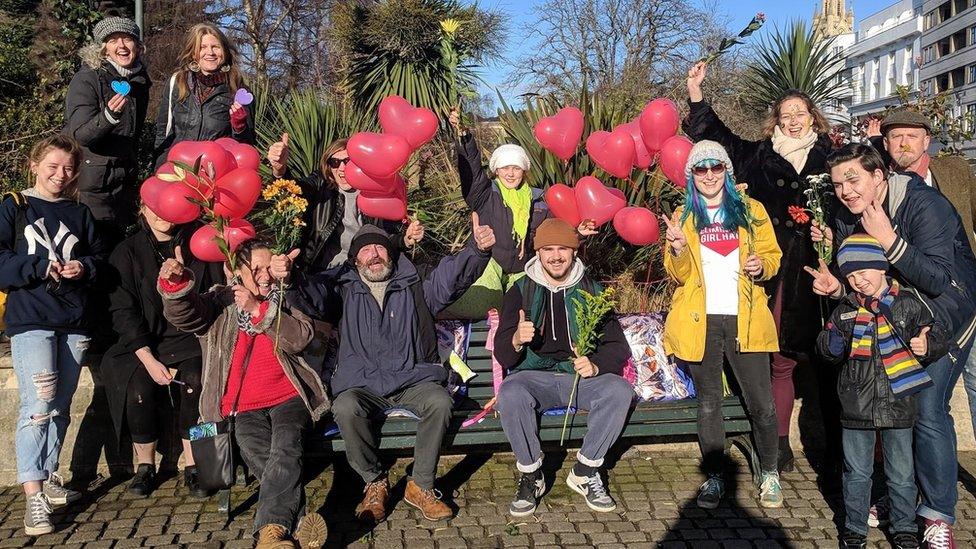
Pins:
<point x="703" y="123"/>
<point x="475" y="183"/>
<point x="456" y="273"/>
<point x="85" y="119"/>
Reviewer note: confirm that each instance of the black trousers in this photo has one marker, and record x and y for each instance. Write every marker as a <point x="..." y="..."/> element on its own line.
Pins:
<point x="143" y="401"/>
<point x="752" y="372"/>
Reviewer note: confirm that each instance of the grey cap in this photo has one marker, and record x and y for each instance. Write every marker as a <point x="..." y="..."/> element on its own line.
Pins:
<point x="906" y="117"/>
<point x="366" y="235"/>
<point x="111" y="25"/>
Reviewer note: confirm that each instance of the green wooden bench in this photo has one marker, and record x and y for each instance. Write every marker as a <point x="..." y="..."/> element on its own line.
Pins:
<point x="675" y="420"/>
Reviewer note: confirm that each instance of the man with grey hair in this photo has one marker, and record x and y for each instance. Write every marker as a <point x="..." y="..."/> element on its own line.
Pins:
<point x="388" y="355"/>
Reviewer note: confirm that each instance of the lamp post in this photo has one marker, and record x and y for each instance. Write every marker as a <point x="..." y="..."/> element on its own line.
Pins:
<point x="139" y="18"/>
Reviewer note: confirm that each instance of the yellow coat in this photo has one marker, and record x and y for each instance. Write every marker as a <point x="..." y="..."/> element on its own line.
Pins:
<point x="684" y="330"/>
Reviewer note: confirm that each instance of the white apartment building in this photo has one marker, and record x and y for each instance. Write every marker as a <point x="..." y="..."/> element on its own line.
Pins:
<point x="948" y="49"/>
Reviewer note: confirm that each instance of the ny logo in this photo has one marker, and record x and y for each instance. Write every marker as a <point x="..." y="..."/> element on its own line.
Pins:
<point x="36" y="233"/>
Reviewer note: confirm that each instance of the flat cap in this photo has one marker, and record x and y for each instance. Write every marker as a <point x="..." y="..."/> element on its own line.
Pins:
<point x="906" y="117"/>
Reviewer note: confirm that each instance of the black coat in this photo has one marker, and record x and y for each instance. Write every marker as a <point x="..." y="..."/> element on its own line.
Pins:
<point x="773" y="181"/>
<point x="323" y="217"/>
<point x="482" y="196"/>
<point x="109" y="170"/>
<point x="195" y="121"/>
<point x="866" y="399"/>
<point x="137" y="312"/>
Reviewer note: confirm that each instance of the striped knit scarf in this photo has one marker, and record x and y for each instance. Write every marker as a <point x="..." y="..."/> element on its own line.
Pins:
<point x="905" y="374"/>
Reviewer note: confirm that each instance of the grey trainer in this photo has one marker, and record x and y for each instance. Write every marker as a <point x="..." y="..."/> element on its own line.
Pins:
<point x="593" y="490"/>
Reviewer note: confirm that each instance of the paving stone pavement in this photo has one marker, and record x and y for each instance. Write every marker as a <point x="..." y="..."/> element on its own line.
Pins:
<point x="654" y="490"/>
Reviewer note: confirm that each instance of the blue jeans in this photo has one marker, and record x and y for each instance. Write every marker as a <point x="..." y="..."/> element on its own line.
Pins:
<point x="936" y="463"/>
<point x="899" y="476"/>
<point x="47" y="365"/>
<point x="969" y="379"/>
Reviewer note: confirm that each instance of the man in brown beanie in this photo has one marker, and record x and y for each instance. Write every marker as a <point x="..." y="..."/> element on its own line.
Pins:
<point x="536" y="343"/>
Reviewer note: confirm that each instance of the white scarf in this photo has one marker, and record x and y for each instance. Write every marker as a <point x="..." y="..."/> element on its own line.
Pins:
<point x="794" y="150"/>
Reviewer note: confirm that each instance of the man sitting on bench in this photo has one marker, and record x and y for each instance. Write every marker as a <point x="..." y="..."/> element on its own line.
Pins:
<point x="388" y="355"/>
<point x="535" y="339"/>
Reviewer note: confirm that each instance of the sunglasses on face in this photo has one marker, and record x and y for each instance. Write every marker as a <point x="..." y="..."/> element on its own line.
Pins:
<point x="336" y="162"/>
<point x="717" y="169"/>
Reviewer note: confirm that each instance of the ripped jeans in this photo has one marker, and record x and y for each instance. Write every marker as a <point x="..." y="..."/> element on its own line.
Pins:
<point x="47" y="365"/>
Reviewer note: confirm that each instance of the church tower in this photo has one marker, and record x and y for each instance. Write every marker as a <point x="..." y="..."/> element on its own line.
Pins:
<point x="832" y="19"/>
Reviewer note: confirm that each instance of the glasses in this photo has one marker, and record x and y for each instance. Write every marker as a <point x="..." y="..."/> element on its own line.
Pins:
<point x="336" y="162"/>
<point x="701" y="171"/>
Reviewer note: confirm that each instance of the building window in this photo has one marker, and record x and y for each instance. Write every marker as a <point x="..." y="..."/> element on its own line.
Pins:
<point x="909" y="74"/>
<point x="971" y="77"/>
<point x="971" y="116"/>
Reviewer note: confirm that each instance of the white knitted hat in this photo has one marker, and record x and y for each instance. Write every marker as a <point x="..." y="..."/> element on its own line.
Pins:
<point x="707" y="150"/>
<point x="509" y="155"/>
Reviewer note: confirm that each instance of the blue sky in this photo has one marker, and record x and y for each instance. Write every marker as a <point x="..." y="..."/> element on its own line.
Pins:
<point x="738" y="12"/>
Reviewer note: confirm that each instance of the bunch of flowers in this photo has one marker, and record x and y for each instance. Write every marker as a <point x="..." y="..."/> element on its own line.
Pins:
<point x="819" y="186"/>
<point x="727" y="43"/>
<point x="283" y="215"/>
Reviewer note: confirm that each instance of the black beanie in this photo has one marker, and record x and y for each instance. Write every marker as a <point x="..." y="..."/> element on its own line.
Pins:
<point x="366" y="235"/>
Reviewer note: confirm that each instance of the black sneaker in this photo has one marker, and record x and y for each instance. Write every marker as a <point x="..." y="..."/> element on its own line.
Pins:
<point x="710" y="492"/>
<point x="531" y="487"/>
<point x="786" y="462"/>
<point x="144" y="481"/>
<point x="852" y="540"/>
<point x="192" y="481"/>
<point x="905" y="540"/>
<point x="593" y="490"/>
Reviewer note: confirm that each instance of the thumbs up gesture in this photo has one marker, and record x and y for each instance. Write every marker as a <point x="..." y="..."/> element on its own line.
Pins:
<point x="172" y="270"/>
<point x="278" y="156"/>
<point x="281" y="264"/>
<point x="525" y="332"/>
<point x="920" y="343"/>
<point x="484" y="236"/>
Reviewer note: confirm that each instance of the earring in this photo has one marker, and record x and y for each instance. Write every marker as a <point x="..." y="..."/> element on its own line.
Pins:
<point x="193" y="66"/>
<point x="225" y="68"/>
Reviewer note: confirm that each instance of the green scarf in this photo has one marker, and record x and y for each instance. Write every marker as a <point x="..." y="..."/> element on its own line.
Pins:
<point x="519" y="201"/>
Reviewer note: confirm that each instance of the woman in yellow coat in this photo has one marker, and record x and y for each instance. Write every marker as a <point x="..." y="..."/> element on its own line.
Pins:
<point x="720" y="246"/>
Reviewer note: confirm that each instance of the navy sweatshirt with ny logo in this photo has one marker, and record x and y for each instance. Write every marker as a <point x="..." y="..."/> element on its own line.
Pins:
<point x="59" y="230"/>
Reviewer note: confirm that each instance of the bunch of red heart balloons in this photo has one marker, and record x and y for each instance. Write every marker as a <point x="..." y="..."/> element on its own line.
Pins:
<point x="375" y="159"/>
<point x="227" y="185"/>
<point x="592" y="200"/>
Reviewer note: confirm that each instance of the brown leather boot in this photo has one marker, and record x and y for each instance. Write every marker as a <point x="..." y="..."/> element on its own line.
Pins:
<point x="274" y="536"/>
<point x="428" y="501"/>
<point x="373" y="506"/>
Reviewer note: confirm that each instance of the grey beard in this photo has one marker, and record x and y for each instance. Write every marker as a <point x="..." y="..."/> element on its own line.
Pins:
<point x="370" y="276"/>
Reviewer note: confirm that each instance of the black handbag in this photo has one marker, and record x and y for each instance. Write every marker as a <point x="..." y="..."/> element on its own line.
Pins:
<point x="213" y="444"/>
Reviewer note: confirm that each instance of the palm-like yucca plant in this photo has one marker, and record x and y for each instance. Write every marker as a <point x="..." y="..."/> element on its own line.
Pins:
<point x="793" y="59"/>
<point x="400" y="47"/>
<point x="311" y="120"/>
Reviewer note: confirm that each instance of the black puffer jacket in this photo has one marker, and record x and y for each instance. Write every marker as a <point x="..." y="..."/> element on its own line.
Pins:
<point x="773" y="181"/>
<point x="482" y="196"/>
<point x="324" y="217"/>
<point x="107" y="178"/>
<point x="865" y="392"/>
<point x="195" y="121"/>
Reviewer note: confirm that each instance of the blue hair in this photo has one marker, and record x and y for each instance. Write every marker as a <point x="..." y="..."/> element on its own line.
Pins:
<point x="732" y="212"/>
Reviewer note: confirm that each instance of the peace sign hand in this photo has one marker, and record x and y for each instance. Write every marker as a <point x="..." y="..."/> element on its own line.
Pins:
<point x="824" y="283"/>
<point x="674" y="235"/>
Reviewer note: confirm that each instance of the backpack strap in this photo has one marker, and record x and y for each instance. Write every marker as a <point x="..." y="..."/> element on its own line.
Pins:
<point x="169" y="115"/>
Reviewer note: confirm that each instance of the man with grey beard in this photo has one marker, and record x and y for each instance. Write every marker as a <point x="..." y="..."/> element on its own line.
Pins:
<point x="388" y="354"/>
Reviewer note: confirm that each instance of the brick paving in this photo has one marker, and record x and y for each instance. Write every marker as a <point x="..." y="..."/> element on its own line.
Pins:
<point x="654" y="491"/>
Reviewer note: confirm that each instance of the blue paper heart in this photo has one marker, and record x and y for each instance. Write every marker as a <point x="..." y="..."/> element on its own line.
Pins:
<point x="121" y="87"/>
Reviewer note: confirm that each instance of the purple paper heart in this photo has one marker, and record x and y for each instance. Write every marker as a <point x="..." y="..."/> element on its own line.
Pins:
<point x="121" y="87"/>
<point x="243" y="97"/>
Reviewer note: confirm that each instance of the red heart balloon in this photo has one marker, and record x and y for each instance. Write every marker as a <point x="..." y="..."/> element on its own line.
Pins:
<point x="643" y="158"/>
<point x="237" y="232"/>
<point x="639" y="226"/>
<point x="561" y="200"/>
<point x="398" y="117"/>
<point x="596" y="201"/>
<point x="173" y="205"/>
<point x="617" y="192"/>
<point x="172" y="173"/>
<point x="674" y="155"/>
<point x="613" y="151"/>
<point x="150" y="190"/>
<point x="211" y="154"/>
<point x="392" y="207"/>
<point x="245" y="155"/>
<point x="360" y="180"/>
<point x="560" y="133"/>
<point x="203" y="244"/>
<point x="379" y="155"/>
<point x="236" y="193"/>
<point x="658" y="123"/>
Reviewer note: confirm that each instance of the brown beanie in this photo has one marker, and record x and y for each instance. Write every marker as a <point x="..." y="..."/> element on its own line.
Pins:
<point x="555" y="232"/>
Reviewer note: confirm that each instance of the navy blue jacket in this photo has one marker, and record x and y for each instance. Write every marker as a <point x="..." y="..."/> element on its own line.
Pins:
<point x="389" y="350"/>
<point x="63" y="231"/>
<point x="931" y="254"/>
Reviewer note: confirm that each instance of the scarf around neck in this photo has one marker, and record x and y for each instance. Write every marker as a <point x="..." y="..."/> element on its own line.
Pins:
<point x="904" y="372"/>
<point x="794" y="149"/>
<point x="519" y="201"/>
<point x="244" y="321"/>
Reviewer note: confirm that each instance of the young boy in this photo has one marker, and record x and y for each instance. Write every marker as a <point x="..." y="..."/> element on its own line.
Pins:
<point x="881" y="331"/>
